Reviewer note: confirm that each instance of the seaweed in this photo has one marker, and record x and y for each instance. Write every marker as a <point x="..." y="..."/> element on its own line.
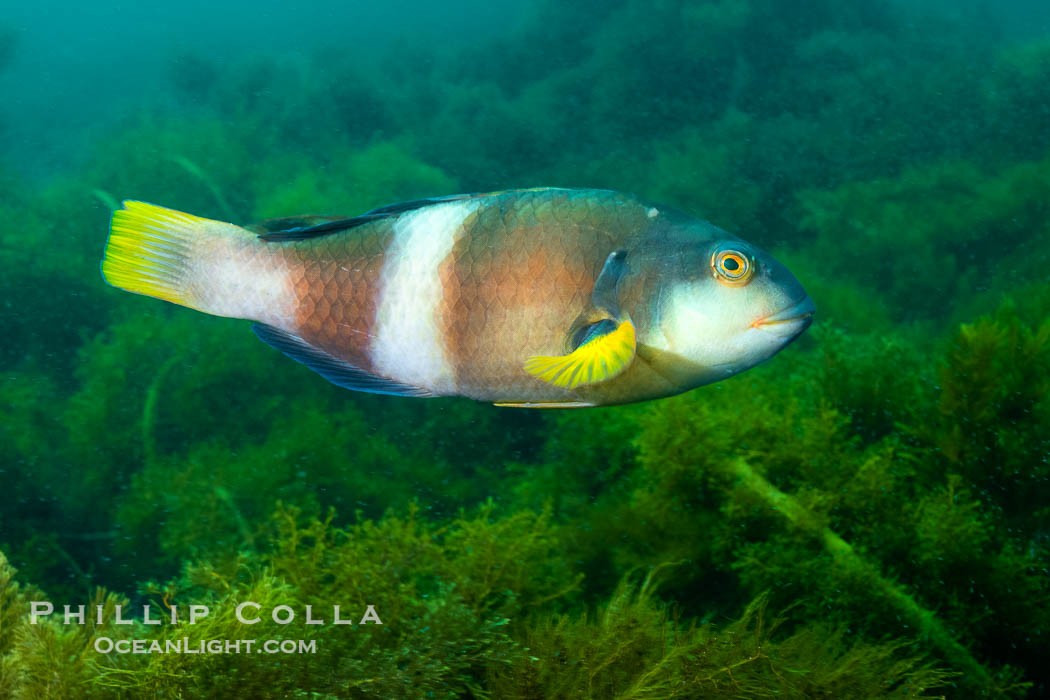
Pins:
<point x="438" y="627"/>
<point x="845" y="520"/>
<point x="634" y="647"/>
<point x="935" y="234"/>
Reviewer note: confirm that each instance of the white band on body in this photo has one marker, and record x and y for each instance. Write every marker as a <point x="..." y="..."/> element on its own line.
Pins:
<point x="408" y="345"/>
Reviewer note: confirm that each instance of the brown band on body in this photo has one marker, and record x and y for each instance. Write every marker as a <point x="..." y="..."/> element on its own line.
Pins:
<point x="513" y="286"/>
<point x="337" y="287"/>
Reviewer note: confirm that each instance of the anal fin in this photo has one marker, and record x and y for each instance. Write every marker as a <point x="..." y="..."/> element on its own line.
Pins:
<point x="543" y="404"/>
<point x="333" y="369"/>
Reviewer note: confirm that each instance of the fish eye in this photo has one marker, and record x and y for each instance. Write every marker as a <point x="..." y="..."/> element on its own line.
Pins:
<point x="732" y="267"/>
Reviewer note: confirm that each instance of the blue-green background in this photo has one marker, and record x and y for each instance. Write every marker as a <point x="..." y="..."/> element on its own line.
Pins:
<point x="868" y="515"/>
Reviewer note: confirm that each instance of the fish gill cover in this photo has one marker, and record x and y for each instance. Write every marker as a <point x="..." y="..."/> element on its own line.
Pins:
<point x="868" y="516"/>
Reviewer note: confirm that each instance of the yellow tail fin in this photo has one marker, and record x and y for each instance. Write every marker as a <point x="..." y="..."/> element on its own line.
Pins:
<point x="150" y="251"/>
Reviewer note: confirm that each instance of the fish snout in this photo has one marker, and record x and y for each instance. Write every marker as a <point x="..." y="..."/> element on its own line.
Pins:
<point x="789" y="322"/>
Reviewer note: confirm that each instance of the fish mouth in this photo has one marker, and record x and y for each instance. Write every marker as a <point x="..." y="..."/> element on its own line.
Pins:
<point x="790" y="321"/>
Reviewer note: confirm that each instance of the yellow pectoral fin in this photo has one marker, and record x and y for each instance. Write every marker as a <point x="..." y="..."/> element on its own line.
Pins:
<point x="598" y="359"/>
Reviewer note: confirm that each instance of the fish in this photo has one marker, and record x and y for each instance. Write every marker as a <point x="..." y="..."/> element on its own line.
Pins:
<point x="534" y="298"/>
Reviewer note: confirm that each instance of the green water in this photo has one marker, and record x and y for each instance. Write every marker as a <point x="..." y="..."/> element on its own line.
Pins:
<point x="866" y="515"/>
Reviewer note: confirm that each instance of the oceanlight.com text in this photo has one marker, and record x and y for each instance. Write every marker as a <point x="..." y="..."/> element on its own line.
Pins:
<point x="106" y="645"/>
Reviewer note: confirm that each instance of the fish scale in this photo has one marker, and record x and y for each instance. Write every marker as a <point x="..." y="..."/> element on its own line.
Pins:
<point x="337" y="283"/>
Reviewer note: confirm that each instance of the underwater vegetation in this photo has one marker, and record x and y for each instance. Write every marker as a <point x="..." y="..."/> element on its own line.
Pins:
<point x="450" y="590"/>
<point x="869" y="516"/>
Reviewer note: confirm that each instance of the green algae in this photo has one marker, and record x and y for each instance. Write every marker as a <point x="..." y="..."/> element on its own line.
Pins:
<point x="446" y="594"/>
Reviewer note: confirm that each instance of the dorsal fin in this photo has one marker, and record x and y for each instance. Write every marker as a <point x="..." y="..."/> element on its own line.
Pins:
<point x="301" y="228"/>
<point x="305" y="227"/>
<point x="267" y="226"/>
<point x="302" y="233"/>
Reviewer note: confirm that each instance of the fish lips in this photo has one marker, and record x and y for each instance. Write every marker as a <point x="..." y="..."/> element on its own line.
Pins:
<point x="790" y="322"/>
